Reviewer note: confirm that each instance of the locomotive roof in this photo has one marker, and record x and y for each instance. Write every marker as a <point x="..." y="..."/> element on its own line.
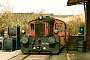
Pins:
<point x="48" y="19"/>
<point x="60" y="20"/>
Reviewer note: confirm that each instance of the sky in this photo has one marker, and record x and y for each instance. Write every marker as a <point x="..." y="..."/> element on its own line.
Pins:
<point x="49" y="6"/>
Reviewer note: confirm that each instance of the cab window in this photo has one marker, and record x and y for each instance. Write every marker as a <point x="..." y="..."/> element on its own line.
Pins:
<point x="31" y="27"/>
<point x="59" y="27"/>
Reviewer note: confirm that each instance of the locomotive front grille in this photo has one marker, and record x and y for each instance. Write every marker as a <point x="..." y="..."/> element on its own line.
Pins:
<point x="39" y="29"/>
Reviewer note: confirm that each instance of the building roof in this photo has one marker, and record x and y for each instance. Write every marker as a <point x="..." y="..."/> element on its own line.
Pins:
<point x="74" y="2"/>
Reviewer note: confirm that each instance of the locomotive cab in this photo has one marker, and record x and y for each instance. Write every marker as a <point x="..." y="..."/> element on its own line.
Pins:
<point x="40" y="28"/>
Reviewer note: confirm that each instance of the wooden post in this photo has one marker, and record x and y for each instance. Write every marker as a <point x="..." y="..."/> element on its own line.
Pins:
<point x="88" y="26"/>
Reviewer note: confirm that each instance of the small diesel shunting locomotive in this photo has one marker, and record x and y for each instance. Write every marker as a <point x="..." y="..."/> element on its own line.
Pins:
<point x="46" y="34"/>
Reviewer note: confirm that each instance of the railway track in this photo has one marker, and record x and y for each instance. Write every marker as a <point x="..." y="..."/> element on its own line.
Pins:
<point x="19" y="57"/>
<point x="31" y="57"/>
<point x="71" y="55"/>
<point x="60" y="56"/>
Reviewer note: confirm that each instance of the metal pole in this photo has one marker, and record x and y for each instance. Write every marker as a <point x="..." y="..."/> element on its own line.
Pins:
<point x="85" y="9"/>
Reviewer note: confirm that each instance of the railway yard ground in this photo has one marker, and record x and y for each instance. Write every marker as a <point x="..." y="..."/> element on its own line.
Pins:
<point x="71" y="55"/>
